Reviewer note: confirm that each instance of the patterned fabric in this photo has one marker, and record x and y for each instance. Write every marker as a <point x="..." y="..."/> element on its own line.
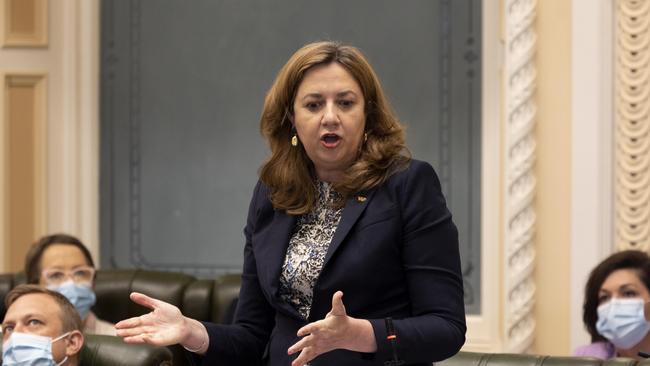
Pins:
<point x="307" y="249"/>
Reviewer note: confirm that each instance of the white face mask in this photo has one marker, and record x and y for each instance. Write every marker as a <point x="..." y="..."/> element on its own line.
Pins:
<point x="623" y="322"/>
<point x="30" y="349"/>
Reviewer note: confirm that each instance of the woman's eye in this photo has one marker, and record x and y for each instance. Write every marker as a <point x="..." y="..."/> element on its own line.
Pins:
<point x="630" y="293"/>
<point x="602" y="299"/>
<point x="312" y="106"/>
<point x="346" y="103"/>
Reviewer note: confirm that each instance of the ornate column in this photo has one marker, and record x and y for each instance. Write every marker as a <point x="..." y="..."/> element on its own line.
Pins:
<point x="519" y="76"/>
<point x="632" y="176"/>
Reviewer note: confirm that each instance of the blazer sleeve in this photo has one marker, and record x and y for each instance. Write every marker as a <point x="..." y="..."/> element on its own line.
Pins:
<point x="244" y="342"/>
<point x="431" y="261"/>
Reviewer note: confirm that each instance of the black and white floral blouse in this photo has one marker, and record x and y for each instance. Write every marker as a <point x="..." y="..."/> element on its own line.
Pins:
<point x="307" y="248"/>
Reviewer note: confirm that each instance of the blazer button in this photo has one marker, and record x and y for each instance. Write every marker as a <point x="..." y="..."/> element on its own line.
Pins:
<point x="361" y="198"/>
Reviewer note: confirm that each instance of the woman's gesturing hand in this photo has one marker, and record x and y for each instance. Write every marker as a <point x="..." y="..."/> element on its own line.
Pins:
<point x="163" y="326"/>
<point x="337" y="330"/>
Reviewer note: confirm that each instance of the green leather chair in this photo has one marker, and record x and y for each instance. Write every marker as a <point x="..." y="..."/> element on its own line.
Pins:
<point x="507" y="359"/>
<point x="99" y="350"/>
<point x="201" y="299"/>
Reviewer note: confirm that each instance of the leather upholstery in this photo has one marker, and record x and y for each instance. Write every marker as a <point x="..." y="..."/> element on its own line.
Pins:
<point x="113" y="287"/>
<point x="506" y="359"/>
<point x="214" y="301"/>
<point x="201" y="299"/>
<point x="205" y="300"/>
<point x="100" y="350"/>
<point x="7" y="282"/>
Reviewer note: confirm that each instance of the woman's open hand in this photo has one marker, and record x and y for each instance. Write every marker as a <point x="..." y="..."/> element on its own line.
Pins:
<point x="163" y="326"/>
<point x="337" y="330"/>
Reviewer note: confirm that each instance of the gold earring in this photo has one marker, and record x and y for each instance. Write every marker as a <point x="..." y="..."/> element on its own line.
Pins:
<point x="365" y="136"/>
<point x="294" y="140"/>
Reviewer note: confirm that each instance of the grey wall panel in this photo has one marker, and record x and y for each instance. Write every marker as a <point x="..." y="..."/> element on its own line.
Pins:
<point x="182" y="89"/>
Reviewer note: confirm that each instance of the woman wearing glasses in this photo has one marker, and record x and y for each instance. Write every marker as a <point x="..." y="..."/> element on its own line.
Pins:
<point x="62" y="263"/>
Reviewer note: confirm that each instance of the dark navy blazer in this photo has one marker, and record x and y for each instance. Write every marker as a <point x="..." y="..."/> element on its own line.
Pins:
<point x="394" y="254"/>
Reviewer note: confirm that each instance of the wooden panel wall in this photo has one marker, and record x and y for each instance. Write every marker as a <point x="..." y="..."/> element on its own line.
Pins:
<point x="24" y="128"/>
<point x="25" y="23"/>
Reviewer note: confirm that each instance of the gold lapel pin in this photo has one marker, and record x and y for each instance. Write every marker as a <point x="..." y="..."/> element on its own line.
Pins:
<point x="361" y="198"/>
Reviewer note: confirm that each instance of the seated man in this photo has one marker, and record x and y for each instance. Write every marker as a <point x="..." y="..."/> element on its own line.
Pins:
<point x="63" y="264"/>
<point x="40" y="327"/>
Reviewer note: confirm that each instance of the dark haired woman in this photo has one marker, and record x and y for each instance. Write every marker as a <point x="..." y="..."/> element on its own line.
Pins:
<point x="616" y="306"/>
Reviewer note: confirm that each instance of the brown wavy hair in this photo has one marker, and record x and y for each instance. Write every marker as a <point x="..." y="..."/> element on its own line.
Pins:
<point x="289" y="173"/>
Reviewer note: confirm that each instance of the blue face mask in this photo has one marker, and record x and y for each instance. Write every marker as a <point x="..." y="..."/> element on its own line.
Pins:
<point x="80" y="295"/>
<point x="29" y="349"/>
<point x="623" y="322"/>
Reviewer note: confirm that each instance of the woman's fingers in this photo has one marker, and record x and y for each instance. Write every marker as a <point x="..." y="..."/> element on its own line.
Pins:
<point x="298" y="346"/>
<point x="138" y="339"/>
<point x="338" y="308"/>
<point x="129" y="323"/>
<point x="309" y="328"/>
<point x="128" y="332"/>
<point x="305" y="356"/>
<point x="145" y="300"/>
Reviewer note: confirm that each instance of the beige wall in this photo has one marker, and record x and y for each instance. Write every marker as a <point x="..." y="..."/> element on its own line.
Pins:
<point x="49" y="123"/>
<point x="72" y="120"/>
<point x="553" y="169"/>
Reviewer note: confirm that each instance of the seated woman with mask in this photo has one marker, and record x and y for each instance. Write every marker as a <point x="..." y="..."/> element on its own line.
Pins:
<point x="616" y="307"/>
<point x="62" y="263"/>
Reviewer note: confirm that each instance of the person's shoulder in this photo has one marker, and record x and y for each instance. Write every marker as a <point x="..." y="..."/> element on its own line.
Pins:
<point x="602" y="350"/>
<point x="260" y="187"/>
<point x="414" y="171"/>
<point x="261" y="200"/>
<point x="94" y="325"/>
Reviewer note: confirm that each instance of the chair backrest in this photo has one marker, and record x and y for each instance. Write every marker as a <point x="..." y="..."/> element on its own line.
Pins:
<point x="101" y="350"/>
<point x="113" y="287"/>
<point x="517" y="359"/>
<point x="7" y="282"/>
<point x="200" y="299"/>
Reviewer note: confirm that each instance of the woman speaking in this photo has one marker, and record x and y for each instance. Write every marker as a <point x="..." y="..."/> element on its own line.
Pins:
<point x="351" y="255"/>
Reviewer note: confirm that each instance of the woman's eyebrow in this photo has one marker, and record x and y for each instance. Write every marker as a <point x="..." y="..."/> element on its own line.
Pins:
<point x="346" y="92"/>
<point x="312" y="95"/>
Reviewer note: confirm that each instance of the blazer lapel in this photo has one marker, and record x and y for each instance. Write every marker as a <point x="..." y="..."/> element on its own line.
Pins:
<point x="354" y="207"/>
<point x="273" y="253"/>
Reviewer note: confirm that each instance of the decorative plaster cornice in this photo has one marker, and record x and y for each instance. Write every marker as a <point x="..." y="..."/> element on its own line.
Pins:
<point x="519" y="183"/>
<point x="632" y="125"/>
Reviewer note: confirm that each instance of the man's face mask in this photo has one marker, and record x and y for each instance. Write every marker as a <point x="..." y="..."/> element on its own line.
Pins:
<point x="81" y="295"/>
<point x="30" y="349"/>
<point x="622" y="322"/>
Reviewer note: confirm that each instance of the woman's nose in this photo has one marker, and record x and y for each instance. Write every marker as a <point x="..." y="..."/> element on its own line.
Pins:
<point x="330" y="114"/>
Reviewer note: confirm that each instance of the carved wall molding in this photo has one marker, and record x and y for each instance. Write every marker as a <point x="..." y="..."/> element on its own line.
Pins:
<point x="632" y="121"/>
<point x="519" y="182"/>
<point x="24" y="169"/>
<point x="24" y="23"/>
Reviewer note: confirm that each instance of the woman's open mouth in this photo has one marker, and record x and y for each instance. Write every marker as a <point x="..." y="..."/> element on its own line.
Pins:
<point x="330" y="140"/>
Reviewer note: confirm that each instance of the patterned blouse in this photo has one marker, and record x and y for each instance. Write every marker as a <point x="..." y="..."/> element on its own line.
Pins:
<point x="307" y="248"/>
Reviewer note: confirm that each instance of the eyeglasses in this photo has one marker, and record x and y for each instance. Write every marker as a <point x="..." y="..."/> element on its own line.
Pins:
<point x="56" y="276"/>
